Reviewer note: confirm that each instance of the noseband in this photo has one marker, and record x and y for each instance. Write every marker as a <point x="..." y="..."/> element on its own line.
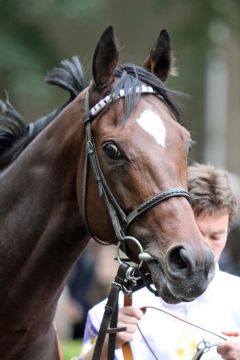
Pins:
<point x="120" y="220"/>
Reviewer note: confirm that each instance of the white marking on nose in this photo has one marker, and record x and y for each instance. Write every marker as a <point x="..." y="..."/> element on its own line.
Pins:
<point x="154" y="125"/>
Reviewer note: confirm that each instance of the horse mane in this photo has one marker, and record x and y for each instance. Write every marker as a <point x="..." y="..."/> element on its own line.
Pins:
<point x="12" y="125"/>
<point x="15" y="133"/>
<point x="70" y="76"/>
<point x="132" y="76"/>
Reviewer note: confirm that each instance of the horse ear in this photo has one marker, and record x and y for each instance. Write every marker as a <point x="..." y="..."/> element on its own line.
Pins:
<point x="160" y="60"/>
<point x="105" y="58"/>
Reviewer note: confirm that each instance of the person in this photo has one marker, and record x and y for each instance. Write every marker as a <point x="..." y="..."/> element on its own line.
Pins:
<point x="156" y="335"/>
<point x="230" y="258"/>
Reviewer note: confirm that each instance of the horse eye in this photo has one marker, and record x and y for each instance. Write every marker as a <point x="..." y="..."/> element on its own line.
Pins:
<point x="112" y="151"/>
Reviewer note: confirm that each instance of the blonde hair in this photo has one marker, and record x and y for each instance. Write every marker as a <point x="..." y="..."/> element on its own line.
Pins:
<point x="211" y="191"/>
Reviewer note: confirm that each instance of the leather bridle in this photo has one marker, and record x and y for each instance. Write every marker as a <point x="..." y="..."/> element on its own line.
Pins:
<point x="120" y="220"/>
<point x="127" y="278"/>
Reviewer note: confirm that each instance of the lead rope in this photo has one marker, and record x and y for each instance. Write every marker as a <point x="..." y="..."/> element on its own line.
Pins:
<point x="126" y="349"/>
<point x="127" y="280"/>
<point x="146" y="342"/>
<point x="111" y="313"/>
<point x="186" y="321"/>
<point x="60" y="354"/>
<point x="202" y="347"/>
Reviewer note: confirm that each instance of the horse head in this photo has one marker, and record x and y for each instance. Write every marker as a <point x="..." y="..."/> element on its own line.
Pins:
<point x="138" y="151"/>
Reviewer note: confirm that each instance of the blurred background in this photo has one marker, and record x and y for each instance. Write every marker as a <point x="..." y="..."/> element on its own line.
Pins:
<point x="36" y="35"/>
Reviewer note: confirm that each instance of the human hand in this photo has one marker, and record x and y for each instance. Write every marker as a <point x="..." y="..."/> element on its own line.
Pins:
<point x="128" y="317"/>
<point x="230" y="350"/>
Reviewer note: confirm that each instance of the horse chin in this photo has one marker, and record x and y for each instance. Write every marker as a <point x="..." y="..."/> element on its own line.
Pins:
<point x="163" y="288"/>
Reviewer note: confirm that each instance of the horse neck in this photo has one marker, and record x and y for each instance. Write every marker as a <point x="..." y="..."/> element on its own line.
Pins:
<point x="42" y="233"/>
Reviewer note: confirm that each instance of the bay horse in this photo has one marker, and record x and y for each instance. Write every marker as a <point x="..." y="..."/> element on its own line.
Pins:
<point x="125" y="124"/>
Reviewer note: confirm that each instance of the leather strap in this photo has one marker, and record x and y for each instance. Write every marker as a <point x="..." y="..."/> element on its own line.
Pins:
<point x="60" y="355"/>
<point x="110" y="313"/>
<point x="126" y="349"/>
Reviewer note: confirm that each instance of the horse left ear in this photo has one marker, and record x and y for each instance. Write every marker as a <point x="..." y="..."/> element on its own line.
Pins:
<point x="160" y="60"/>
<point x="105" y="58"/>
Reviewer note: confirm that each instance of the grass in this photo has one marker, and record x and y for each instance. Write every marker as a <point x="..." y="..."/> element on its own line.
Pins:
<point x="70" y="349"/>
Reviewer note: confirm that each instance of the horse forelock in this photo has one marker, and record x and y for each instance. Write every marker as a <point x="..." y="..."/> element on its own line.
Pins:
<point x="132" y="76"/>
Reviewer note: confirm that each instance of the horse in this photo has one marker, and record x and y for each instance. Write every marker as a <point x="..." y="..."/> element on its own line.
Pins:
<point x="125" y="124"/>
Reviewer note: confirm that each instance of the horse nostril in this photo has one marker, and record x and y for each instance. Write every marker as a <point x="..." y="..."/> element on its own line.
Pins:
<point x="179" y="261"/>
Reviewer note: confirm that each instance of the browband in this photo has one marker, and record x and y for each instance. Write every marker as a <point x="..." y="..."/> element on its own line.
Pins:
<point x="107" y="100"/>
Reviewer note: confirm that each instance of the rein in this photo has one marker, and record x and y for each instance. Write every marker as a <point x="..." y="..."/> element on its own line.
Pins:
<point x="125" y="281"/>
<point x="128" y="278"/>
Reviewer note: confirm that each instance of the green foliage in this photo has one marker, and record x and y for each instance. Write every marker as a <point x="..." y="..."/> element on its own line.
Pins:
<point x="29" y="48"/>
<point x="70" y="8"/>
<point x="71" y="349"/>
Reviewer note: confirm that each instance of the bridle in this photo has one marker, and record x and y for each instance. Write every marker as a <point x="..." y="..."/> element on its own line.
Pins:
<point x="120" y="220"/>
<point x="127" y="276"/>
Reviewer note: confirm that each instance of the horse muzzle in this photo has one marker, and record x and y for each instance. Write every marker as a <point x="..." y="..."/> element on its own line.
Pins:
<point x="182" y="276"/>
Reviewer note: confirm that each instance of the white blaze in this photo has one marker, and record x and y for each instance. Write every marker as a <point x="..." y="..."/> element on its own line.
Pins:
<point x="154" y="125"/>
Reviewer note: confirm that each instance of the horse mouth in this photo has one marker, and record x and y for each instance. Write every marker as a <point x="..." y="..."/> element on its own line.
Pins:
<point x="164" y="288"/>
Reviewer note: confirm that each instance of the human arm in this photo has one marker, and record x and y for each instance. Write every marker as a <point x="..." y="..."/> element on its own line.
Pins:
<point x="230" y="350"/>
<point x="127" y="317"/>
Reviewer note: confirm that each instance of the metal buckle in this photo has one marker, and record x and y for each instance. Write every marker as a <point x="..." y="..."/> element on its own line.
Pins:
<point x="132" y="273"/>
<point x="142" y="256"/>
<point x="202" y="347"/>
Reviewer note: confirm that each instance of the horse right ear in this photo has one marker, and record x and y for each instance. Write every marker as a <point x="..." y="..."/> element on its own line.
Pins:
<point x="160" y="59"/>
<point x="105" y="58"/>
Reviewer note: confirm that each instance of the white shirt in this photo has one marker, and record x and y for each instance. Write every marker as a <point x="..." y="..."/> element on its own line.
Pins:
<point x="217" y="309"/>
